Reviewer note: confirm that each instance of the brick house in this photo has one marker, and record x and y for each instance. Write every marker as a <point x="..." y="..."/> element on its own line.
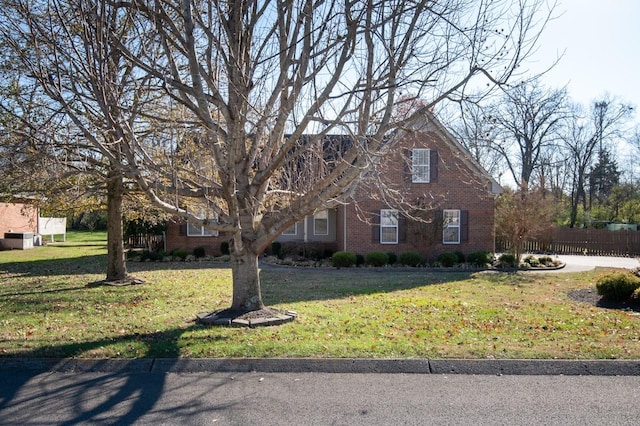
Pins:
<point x="448" y="205"/>
<point x="17" y="218"/>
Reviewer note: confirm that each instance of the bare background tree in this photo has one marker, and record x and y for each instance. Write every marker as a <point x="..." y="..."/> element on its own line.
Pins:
<point x="586" y="137"/>
<point x="527" y="119"/>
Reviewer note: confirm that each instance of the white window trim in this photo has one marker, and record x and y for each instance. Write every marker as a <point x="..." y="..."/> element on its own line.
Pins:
<point x="295" y="230"/>
<point x="415" y="178"/>
<point x="317" y="216"/>
<point x="204" y="232"/>
<point x="385" y="213"/>
<point x="446" y="226"/>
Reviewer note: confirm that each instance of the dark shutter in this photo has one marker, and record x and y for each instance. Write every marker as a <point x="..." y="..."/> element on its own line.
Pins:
<point x="183" y="228"/>
<point x="402" y="228"/>
<point x="438" y="225"/>
<point x="375" y="226"/>
<point x="433" y="166"/>
<point x="464" y="226"/>
<point x="407" y="157"/>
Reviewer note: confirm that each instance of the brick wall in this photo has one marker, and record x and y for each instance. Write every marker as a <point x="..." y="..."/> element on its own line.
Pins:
<point x="18" y="217"/>
<point x="177" y="239"/>
<point x="457" y="187"/>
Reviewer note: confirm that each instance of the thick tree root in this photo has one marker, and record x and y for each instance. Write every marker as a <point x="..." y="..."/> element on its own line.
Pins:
<point x="259" y="318"/>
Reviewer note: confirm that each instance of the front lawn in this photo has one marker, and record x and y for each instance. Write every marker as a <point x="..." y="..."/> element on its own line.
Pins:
<point x="46" y="309"/>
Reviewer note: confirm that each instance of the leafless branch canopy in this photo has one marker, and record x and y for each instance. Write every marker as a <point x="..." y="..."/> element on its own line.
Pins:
<point x="259" y="111"/>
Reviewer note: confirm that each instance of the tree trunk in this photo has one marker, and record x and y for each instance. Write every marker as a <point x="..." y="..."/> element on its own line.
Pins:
<point x="116" y="265"/>
<point x="246" y="281"/>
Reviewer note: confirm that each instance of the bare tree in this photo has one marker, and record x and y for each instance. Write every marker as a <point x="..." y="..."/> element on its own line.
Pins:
<point x="256" y="79"/>
<point x="528" y="119"/>
<point x="475" y="129"/>
<point x="584" y="139"/>
<point x="65" y="51"/>
<point x="522" y="215"/>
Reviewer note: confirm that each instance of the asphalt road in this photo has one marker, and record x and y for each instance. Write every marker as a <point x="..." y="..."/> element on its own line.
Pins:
<point x="316" y="399"/>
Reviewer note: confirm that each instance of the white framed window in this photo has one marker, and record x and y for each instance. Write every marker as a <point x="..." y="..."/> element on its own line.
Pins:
<point x="388" y="226"/>
<point x="421" y="165"/>
<point x="197" y="230"/>
<point x="451" y="227"/>
<point x="292" y="231"/>
<point x="321" y="223"/>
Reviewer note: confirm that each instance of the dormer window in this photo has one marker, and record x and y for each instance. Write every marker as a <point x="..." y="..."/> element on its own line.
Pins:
<point x="421" y="165"/>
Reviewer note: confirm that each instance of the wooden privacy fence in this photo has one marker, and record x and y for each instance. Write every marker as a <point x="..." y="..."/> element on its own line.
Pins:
<point x="582" y="241"/>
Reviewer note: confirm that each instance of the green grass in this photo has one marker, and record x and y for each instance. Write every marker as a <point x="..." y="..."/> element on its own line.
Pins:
<point x="47" y="310"/>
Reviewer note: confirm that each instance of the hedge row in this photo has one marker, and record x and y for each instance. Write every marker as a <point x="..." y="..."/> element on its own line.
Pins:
<point x="344" y="259"/>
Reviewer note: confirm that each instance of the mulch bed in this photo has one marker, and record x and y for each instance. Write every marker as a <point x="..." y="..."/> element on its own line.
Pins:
<point x="592" y="297"/>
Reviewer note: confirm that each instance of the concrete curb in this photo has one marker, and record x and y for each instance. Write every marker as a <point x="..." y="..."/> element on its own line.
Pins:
<point x="321" y="365"/>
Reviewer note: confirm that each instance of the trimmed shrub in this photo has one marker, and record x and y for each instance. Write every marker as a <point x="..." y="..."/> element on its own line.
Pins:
<point x="181" y="253"/>
<point x="531" y="261"/>
<point x="359" y="260"/>
<point x="618" y="286"/>
<point x="276" y="249"/>
<point x="546" y="261"/>
<point x="224" y="248"/>
<point x="343" y="259"/>
<point x="507" y="260"/>
<point x="461" y="257"/>
<point x="448" y="259"/>
<point x="393" y="258"/>
<point x="199" y="252"/>
<point x="479" y="258"/>
<point x="327" y="253"/>
<point x="410" y="258"/>
<point x="377" y="258"/>
<point x="148" y="255"/>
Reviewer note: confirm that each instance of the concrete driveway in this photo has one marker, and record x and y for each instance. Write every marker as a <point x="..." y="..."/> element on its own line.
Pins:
<point x="587" y="263"/>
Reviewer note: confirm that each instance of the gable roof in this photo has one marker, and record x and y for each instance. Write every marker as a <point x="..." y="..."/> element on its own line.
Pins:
<point x="428" y="122"/>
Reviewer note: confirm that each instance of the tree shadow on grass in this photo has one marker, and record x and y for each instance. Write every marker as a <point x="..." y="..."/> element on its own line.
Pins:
<point x="312" y="284"/>
<point x="112" y="391"/>
<point x="92" y="264"/>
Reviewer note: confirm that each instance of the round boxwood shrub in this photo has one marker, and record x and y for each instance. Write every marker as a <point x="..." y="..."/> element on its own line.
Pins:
<point x="343" y="259"/>
<point x="180" y="253"/>
<point x="507" y="260"/>
<point x="546" y="261"/>
<point x="393" y="258"/>
<point x="377" y="258"/>
<point x="148" y="256"/>
<point x="276" y="249"/>
<point x="199" y="252"/>
<point x="617" y="286"/>
<point x="224" y="247"/>
<point x="359" y="260"/>
<point x="479" y="258"/>
<point x="410" y="258"/>
<point x="448" y="259"/>
<point x="531" y="261"/>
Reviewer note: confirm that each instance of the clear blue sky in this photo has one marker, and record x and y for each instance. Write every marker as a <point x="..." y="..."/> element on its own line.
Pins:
<point x="600" y="41"/>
